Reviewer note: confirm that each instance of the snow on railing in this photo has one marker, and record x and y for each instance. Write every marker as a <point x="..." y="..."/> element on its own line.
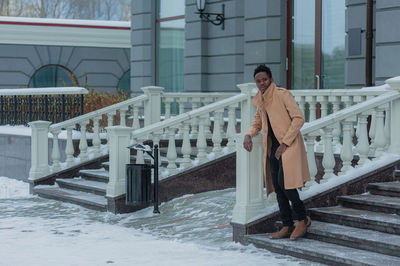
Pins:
<point x="382" y="103"/>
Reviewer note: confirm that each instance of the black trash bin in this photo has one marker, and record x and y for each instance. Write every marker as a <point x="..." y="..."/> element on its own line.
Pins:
<point x="138" y="184"/>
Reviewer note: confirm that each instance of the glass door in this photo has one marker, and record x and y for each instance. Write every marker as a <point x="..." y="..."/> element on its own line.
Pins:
<point x="316" y="34"/>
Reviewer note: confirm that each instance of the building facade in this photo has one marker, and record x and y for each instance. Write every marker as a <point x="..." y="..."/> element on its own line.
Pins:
<point x="308" y="44"/>
<point x="56" y="52"/>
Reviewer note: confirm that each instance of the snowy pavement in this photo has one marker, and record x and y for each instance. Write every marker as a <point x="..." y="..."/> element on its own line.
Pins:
<point x="191" y="230"/>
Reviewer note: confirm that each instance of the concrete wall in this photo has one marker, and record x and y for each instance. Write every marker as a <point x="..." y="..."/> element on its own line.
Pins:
<point x="104" y="67"/>
<point x="143" y="44"/>
<point x="387" y="40"/>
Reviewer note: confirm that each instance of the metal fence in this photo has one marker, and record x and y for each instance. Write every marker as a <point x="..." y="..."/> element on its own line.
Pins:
<point x="21" y="106"/>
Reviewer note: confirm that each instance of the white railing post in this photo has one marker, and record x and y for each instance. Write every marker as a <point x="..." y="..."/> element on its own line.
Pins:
<point x="119" y="157"/>
<point x="247" y="108"/>
<point x="328" y="161"/>
<point x="312" y="165"/>
<point x="347" y="148"/>
<point x="152" y="106"/>
<point x="96" y="142"/>
<point x="83" y="143"/>
<point x="380" y="140"/>
<point x="39" y="149"/>
<point x="249" y="181"/>
<point x="69" y="149"/>
<point x="362" y="141"/>
<point x="394" y="147"/>
<point x="55" y="153"/>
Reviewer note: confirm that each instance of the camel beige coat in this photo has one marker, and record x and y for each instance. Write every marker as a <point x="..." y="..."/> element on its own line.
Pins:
<point x="286" y="120"/>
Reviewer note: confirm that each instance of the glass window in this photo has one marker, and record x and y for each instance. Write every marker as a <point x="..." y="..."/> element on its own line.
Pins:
<point x="170" y="45"/>
<point x="52" y="76"/>
<point x="303" y="44"/>
<point x="333" y="40"/>
<point x="124" y="84"/>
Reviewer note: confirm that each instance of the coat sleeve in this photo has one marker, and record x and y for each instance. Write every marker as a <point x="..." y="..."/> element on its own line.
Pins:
<point x="256" y="126"/>
<point x="296" y="116"/>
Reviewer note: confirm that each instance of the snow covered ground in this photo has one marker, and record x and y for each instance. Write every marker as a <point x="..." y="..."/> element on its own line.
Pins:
<point x="191" y="230"/>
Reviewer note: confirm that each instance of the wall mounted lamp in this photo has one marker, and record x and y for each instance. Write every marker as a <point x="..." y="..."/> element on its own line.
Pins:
<point x="219" y="18"/>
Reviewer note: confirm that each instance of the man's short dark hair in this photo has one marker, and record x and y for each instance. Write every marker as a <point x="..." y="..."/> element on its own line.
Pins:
<point x="263" y="68"/>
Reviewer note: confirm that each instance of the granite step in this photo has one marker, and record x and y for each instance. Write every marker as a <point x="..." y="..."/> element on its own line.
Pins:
<point x="322" y="252"/>
<point x="383" y="222"/>
<point x="80" y="184"/>
<point x="369" y="240"/>
<point x="100" y="175"/>
<point x="87" y="200"/>
<point x="391" y="189"/>
<point x="376" y="203"/>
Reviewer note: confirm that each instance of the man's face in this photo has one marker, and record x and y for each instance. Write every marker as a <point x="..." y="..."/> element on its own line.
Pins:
<point x="262" y="81"/>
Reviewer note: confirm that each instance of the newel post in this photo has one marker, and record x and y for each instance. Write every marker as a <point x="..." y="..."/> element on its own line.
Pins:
<point x="394" y="147"/>
<point x="39" y="149"/>
<point x="247" y="108"/>
<point x="249" y="186"/>
<point x="119" y="157"/>
<point x="152" y="106"/>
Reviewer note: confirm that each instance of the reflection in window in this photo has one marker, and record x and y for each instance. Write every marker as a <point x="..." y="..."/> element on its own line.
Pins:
<point x="170" y="44"/>
<point x="303" y="44"/>
<point x="124" y="84"/>
<point x="333" y="40"/>
<point x="52" y="76"/>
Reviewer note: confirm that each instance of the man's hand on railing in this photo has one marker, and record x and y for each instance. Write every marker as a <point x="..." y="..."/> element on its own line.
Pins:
<point x="247" y="143"/>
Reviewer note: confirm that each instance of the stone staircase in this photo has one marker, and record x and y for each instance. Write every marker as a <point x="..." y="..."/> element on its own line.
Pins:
<point x="362" y="230"/>
<point x="88" y="189"/>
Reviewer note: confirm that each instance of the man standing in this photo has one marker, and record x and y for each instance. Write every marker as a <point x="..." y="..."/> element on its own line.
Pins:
<point x="285" y="159"/>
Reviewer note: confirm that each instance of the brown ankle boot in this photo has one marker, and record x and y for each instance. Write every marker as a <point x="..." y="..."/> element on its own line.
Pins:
<point x="301" y="228"/>
<point x="283" y="233"/>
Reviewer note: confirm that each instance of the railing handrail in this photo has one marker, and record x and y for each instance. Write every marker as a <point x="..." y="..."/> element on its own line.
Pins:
<point x="43" y="91"/>
<point x="349" y="112"/>
<point x="365" y="91"/>
<point x="198" y="94"/>
<point x="156" y="127"/>
<point x="96" y="113"/>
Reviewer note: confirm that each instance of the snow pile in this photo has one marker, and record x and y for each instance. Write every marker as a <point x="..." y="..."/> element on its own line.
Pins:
<point x="11" y="188"/>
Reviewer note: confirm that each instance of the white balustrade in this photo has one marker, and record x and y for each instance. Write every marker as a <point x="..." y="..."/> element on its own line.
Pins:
<point x="171" y="153"/>
<point x="55" y="154"/>
<point x="39" y="149"/>
<point x="186" y="146"/>
<point x="69" y="150"/>
<point x="216" y="138"/>
<point x="96" y="137"/>
<point x="83" y="142"/>
<point x="201" y="140"/>
<point x="347" y="152"/>
<point x="328" y="161"/>
<point x="380" y="140"/>
<point x="231" y="129"/>
<point x="312" y="166"/>
<point x="362" y="145"/>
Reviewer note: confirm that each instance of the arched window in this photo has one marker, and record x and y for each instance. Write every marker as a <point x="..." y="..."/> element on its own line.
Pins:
<point x="124" y="83"/>
<point x="52" y="76"/>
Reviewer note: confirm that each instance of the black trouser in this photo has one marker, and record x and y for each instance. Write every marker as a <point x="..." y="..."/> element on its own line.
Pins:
<point x="285" y="195"/>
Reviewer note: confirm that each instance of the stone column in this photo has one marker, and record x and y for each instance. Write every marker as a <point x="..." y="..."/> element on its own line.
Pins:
<point x="152" y="106"/>
<point x="119" y="157"/>
<point x="39" y="149"/>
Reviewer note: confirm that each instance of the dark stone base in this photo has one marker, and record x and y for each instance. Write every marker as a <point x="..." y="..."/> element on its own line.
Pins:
<point x="117" y="205"/>
<point x="325" y="199"/>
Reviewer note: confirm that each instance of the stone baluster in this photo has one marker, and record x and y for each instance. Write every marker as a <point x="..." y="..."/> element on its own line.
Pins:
<point x="69" y="150"/>
<point x="135" y="123"/>
<point x="96" y="137"/>
<point x="171" y="153"/>
<point x="207" y="124"/>
<point x="347" y="148"/>
<point x="186" y="146"/>
<point x="372" y="133"/>
<point x="362" y="145"/>
<point x="167" y="102"/>
<point x="201" y="140"/>
<point x="231" y="129"/>
<point x="216" y="137"/>
<point x="182" y="101"/>
<point x="122" y="114"/>
<point x="312" y="166"/>
<point x="39" y="149"/>
<point x="83" y="156"/>
<point x="302" y="104"/>
<point x="324" y="112"/>
<point x="110" y="123"/>
<point x="194" y="122"/>
<point x="387" y="125"/>
<point x="336" y="130"/>
<point x="380" y="140"/>
<point x="313" y="107"/>
<point x="55" y="154"/>
<point x="328" y="161"/>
